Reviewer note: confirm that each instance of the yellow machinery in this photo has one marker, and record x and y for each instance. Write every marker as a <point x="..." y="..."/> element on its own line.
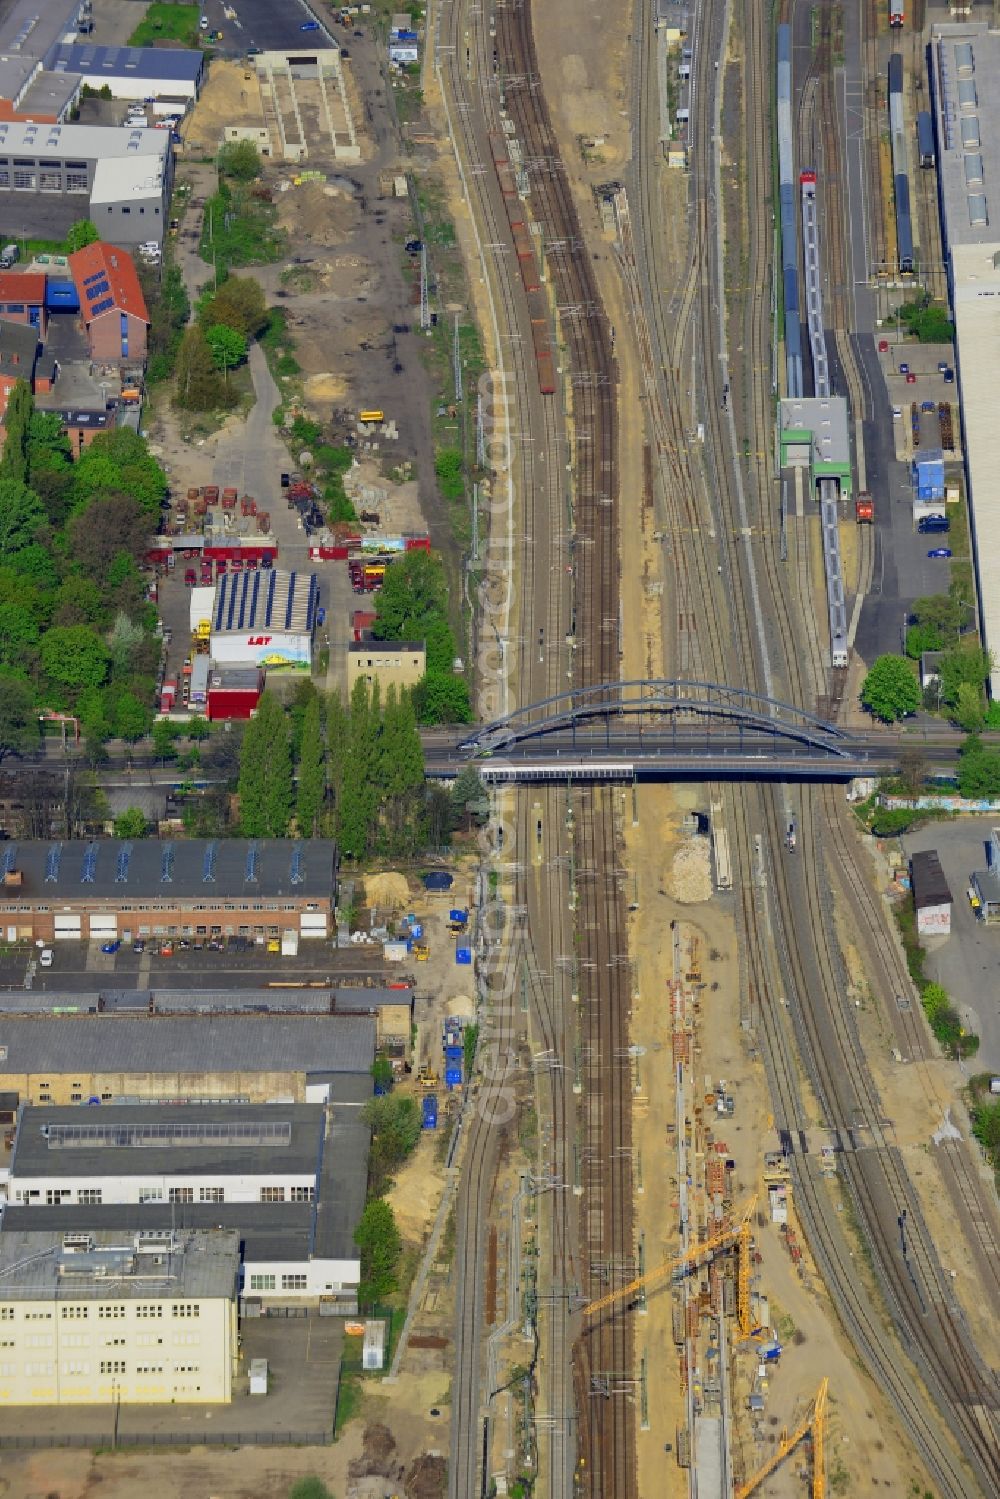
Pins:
<point x="738" y="1232"/>
<point x="815" y="1421"/>
<point x="427" y="1078"/>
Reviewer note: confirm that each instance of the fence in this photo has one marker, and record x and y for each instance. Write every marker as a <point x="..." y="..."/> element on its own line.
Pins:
<point x="214" y="1438"/>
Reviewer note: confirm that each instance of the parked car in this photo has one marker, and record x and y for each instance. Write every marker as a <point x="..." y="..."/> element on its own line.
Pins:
<point x="139" y="945"/>
<point x="309" y="26"/>
<point x="911" y="378"/>
<point x="897" y="413"/>
<point x="949" y="377"/>
<point x="45" y="957"/>
<point x="942" y="366"/>
<point x="904" y="368"/>
<point x="110" y="947"/>
<point x="203" y="23"/>
<point x="933" y="523"/>
<point x="285" y="480"/>
<point x="189" y="577"/>
<point x="940" y="552"/>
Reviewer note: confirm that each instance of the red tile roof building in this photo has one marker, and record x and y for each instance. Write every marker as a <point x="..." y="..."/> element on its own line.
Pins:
<point x="111" y="304"/>
<point x="22" y="298"/>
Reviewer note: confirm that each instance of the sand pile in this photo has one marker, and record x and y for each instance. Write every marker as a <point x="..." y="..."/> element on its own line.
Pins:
<point x="690" y="878"/>
<point x="388" y="891"/>
<point x="325" y="387"/>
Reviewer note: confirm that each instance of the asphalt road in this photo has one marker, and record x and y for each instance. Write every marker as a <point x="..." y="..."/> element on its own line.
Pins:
<point x="268" y="25"/>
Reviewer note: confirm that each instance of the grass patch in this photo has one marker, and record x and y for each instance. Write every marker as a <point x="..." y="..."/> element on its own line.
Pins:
<point x="162" y="22"/>
<point x="278" y="345"/>
<point x="350" y="1399"/>
<point x="906" y="921"/>
<point x="240" y="229"/>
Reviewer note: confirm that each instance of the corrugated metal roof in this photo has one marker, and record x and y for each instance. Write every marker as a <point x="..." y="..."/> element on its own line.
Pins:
<point x="930" y="888"/>
<point x="182" y="1044"/>
<point x="169" y="869"/>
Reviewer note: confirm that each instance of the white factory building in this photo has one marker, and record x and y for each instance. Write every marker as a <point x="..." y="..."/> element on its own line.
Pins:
<point x="170" y="74"/>
<point x="965" y="79"/>
<point x="264" y="618"/>
<point x="140" y="1318"/>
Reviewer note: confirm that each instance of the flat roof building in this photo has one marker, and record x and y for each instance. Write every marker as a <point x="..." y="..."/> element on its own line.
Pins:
<point x="110" y="890"/>
<point x="28" y="31"/>
<point x="931" y="894"/>
<point x="965" y="77"/>
<point x="145" y="1166"/>
<point x="132" y="72"/>
<point x="95" y="1316"/>
<point x="390" y="663"/>
<point x="236" y="1057"/>
<point x="264" y="618"/>
<point x="52" y="175"/>
<point x="814" y="434"/>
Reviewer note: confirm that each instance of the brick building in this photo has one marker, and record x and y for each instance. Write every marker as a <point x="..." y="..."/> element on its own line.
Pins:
<point x="106" y="889"/>
<point x="22" y="299"/>
<point x="112" y="305"/>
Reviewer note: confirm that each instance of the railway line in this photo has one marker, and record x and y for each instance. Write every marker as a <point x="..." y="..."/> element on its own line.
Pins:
<point x="803" y="966"/>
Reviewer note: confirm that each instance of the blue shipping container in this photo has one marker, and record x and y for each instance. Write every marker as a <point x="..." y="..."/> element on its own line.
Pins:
<point x="416" y="930"/>
<point x="454" y="1053"/>
<point x="453" y="1077"/>
<point x="458" y="915"/>
<point x="463" y="955"/>
<point x="430" y="1108"/>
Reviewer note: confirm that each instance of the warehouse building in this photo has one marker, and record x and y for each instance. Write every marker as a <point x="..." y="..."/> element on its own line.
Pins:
<point x="291" y="1179"/>
<point x="93" y="1317"/>
<point x="169" y="76"/>
<point x="931" y="895"/>
<point x="264" y="618"/>
<point x="965" y="77"/>
<point x="28" y="32"/>
<point x="232" y="1058"/>
<point x="107" y="890"/>
<point x="52" y="175"/>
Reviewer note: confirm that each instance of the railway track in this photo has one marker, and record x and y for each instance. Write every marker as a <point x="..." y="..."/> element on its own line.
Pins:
<point x="606" y="1435"/>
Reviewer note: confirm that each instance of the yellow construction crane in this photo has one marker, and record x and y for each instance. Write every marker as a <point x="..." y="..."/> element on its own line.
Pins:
<point x="739" y="1232"/>
<point x="814" y="1420"/>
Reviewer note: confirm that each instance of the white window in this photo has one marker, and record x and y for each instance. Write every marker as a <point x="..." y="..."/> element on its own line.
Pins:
<point x="39" y="1369"/>
<point x="38" y="1340"/>
<point x="272" y="1194"/>
<point x="302" y="1194"/>
<point x="263" y="1282"/>
<point x="91" y="1196"/>
<point x="111" y="1309"/>
<point x="211" y="1194"/>
<point x="181" y="1194"/>
<point x="112" y="1366"/>
<point x="154" y="1309"/>
<point x="80" y="1313"/>
<point x="294" y="1282"/>
<point x="186" y="1309"/>
<point x="76" y="1366"/>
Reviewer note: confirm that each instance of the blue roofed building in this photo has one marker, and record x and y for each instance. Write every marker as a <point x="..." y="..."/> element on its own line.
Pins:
<point x="171" y="74"/>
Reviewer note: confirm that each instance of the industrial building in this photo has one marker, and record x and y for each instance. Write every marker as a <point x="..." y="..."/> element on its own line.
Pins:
<point x="264" y="618"/>
<point x="169" y="76"/>
<point x="52" y="175"/>
<point x="390" y="663"/>
<point x="22" y="299"/>
<point x="290" y="1178"/>
<point x="965" y="76"/>
<point x="986" y="884"/>
<point x="92" y="1317"/>
<point x="28" y="32"/>
<point x="112" y="305"/>
<point x="107" y="890"/>
<point x="236" y="1057"/>
<point x="813" y="434"/>
<point x="931" y="895"/>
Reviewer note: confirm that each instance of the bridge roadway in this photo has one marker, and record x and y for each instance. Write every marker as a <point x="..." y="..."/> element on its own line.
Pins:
<point x="611" y="753"/>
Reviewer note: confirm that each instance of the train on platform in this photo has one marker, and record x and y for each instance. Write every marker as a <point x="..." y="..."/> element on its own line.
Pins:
<point x="900" y="167"/>
<point x="528" y="265"/>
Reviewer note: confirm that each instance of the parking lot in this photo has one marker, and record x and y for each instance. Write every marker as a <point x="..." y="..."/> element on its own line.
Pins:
<point x="967" y="962"/>
<point x="264" y="25"/>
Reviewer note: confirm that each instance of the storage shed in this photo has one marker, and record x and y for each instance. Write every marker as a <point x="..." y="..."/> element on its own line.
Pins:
<point x="931" y="895"/>
<point x="373" y="1349"/>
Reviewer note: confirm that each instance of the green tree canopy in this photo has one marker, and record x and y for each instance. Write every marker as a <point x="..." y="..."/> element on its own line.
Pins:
<point x="890" y="691"/>
<point x="380" y="1244"/>
<point x="921" y="638"/>
<point x="131" y="824"/>
<point x="395" y="1126"/>
<point x="108" y="525"/>
<point x="445" y="699"/>
<point x="21" y="514"/>
<point x="120" y="462"/>
<point x="73" y="656"/>
<point x="312" y="771"/>
<point x="199" y="385"/>
<point x="228" y="345"/>
<point x="943" y="613"/>
<point x="240" y="304"/>
<point x="265" y="782"/>
<point x="82" y="233"/>
<point x="19" y="727"/>
<point x="979" y="773"/>
<point x="240" y="160"/>
<point x="18" y="634"/>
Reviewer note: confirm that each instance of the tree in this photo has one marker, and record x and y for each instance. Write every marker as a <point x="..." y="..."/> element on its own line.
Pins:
<point x="445" y="699"/>
<point x="240" y="160"/>
<point x="395" y="1126"/>
<point x="131" y="718"/>
<point x="21" y="514"/>
<point x="312" y="771"/>
<point x="469" y="801"/>
<point x="965" y="664"/>
<point x="16" y="420"/>
<point x="941" y="612"/>
<point x="199" y="385"/>
<point x="921" y="638"/>
<point x="131" y="824"/>
<point x="228" y="345"/>
<point x="18" y="634"/>
<point x="74" y="656"/>
<point x="124" y="642"/>
<point x="19" y="727"/>
<point x="413" y="595"/>
<point x="358" y="803"/>
<point x="120" y="462"/>
<point x="107" y="526"/>
<point x="78" y="601"/>
<point x="890" y="690"/>
<point x="979" y="773"/>
<point x="969" y="710"/>
<point x="81" y="234"/>
<point x="380" y="1244"/>
<point x="265" y="781"/>
<point x="240" y="304"/>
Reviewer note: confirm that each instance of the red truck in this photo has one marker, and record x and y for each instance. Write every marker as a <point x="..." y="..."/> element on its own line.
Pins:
<point x="864" y="509"/>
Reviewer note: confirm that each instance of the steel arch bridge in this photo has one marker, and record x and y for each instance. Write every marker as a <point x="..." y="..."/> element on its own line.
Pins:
<point x="757" y="722"/>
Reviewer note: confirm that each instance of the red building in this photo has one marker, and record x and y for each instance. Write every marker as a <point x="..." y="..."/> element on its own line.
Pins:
<point x="22" y="299"/>
<point x="233" y="691"/>
<point x="111" y="304"/>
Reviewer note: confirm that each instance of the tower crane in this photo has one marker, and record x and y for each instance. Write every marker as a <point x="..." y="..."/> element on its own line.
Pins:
<point x="738" y="1232"/>
<point x="814" y="1420"/>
